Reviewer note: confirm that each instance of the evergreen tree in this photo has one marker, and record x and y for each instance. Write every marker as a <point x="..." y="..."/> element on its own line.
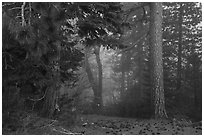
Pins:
<point x="38" y="39"/>
<point x="156" y="60"/>
<point x="182" y="38"/>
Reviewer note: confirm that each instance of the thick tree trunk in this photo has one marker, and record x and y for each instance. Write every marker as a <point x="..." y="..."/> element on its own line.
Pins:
<point x="179" y="67"/>
<point x="156" y="60"/>
<point x="100" y="76"/>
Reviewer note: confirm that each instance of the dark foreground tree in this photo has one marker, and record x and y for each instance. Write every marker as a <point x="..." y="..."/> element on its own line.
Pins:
<point x="35" y="42"/>
<point x="156" y="60"/>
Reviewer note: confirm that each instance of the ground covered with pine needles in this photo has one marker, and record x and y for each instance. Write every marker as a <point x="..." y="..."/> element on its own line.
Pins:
<point x="104" y="125"/>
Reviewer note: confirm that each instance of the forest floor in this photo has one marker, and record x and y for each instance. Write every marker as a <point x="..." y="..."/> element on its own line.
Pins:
<point x="106" y="125"/>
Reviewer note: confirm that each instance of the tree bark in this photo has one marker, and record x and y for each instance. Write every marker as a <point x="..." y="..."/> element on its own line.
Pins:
<point x="49" y="101"/>
<point x="123" y="75"/>
<point x="140" y="69"/>
<point x="51" y="94"/>
<point x="91" y="78"/>
<point x="128" y="85"/>
<point x="30" y="13"/>
<point x="196" y="80"/>
<point x="179" y="67"/>
<point x="156" y="60"/>
<point x="140" y="62"/>
<point x="100" y="76"/>
<point x="22" y="14"/>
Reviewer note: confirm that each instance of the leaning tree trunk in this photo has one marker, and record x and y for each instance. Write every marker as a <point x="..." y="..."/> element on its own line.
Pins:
<point x="156" y="60"/>
<point x="179" y="67"/>
<point x="100" y="76"/>
<point x="49" y="101"/>
<point x="91" y="78"/>
<point x="51" y="93"/>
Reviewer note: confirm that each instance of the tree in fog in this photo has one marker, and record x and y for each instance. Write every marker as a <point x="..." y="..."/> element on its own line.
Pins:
<point x="182" y="55"/>
<point x="156" y="60"/>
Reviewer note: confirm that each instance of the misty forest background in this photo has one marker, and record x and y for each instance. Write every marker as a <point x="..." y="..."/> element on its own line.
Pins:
<point x="139" y="60"/>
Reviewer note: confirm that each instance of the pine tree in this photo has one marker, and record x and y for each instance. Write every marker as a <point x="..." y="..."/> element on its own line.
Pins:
<point x="179" y="49"/>
<point x="156" y="60"/>
<point x="38" y="38"/>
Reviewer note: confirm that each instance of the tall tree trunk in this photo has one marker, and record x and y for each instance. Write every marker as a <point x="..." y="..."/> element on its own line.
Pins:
<point x="30" y="13"/>
<point x="100" y="76"/>
<point x="128" y="80"/>
<point x="128" y="57"/>
<point x="179" y="67"/>
<point x="196" y="80"/>
<point x="156" y="60"/>
<point x="91" y="78"/>
<point x="140" y="69"/>
<point x="51" y="94"/>
<point x="140" y="62"/>
<point x="195" y="83"/>
<point x="22" y="14"/>
<point x="122" y="75"/>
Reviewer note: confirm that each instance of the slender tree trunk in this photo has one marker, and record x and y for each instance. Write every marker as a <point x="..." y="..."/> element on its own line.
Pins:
<point x="22" y="14"/>
<point x="140" y="63"/>
<point x="195" y="85"/>
<point x="100" y="75"/>
<point x="128" y="57"/>
<point x="140" y="70"/>
<point x="122" y="75"/>
<point x="195" y="78"/>
<point x="156" y="60"/>
<point x="128" y="80"/>
<point x="123" y="82"/>
<point x="179" y="67"/>
<point x="30" y="13"/>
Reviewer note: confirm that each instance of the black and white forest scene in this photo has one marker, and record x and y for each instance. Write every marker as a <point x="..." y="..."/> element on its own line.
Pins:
<point x="101" y="68"/>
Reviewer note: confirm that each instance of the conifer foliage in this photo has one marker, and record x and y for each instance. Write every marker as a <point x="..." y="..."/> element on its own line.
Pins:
<point x="39" y="44"/>
<point x="35" y="48"/>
